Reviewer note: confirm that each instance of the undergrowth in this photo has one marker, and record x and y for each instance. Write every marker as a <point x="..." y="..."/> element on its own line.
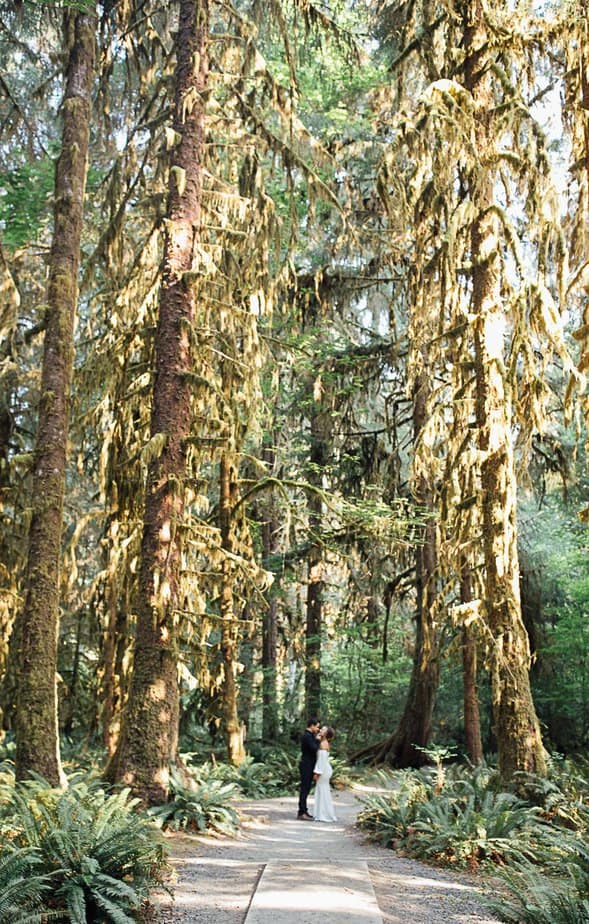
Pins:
<point x="533" y="837"/>
<point x="79" y="855"/>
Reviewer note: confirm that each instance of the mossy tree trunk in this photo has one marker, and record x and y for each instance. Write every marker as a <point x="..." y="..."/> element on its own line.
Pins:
<point x="472" y="720"/>
<point x="113" y="651"/>
<point x="149" y="730"/>
<point x="516" y="725"/>
<point x="37" y="744"/>
<point x="9" y="304"/>
<point x="234" y="730"/>
<point x="269" y="659"/>
<point x="270" y="530"/>
<point x="402" y="748"/>
<point x="315" y="567"/>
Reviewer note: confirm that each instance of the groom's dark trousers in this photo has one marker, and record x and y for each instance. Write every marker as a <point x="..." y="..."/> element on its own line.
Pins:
<point x="309" y="748"/>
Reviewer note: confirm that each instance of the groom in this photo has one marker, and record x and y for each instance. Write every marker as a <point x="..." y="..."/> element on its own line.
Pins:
<point x="309" y="748"/>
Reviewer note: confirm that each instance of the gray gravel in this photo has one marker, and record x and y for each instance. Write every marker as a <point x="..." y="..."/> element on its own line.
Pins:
<point x="216" y="878"/>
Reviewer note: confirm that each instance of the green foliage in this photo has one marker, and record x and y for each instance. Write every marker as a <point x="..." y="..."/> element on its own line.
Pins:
<point x="22" y="888"/>
<point x="530" y="896"/>
<point x="537" y="835"/>
<point x="468" y="827"/>
<point x="563" y="796"/>
<point x="389" y="817"/>
<point x="100" y="856"/>
<point x="275" y="774"/>
<point x="557" y="892"/>
<point x="558" y="562"/>
<point x="24" y="201"/>
<point x="359" y="691"/>
<point x="466" y="823"/>
<point x="200" y="804"/>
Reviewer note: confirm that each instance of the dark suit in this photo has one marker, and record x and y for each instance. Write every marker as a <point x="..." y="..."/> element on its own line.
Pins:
<point x="309" y="748"/>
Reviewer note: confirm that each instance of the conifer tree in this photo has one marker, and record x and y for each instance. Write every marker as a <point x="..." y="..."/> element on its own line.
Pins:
<point x="149" y="732"/>
<point x="461" y="156"/>
<point x="36" y="719"/>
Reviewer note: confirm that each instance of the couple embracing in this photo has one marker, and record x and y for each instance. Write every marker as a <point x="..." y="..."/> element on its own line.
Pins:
<point x="315" y="766"/>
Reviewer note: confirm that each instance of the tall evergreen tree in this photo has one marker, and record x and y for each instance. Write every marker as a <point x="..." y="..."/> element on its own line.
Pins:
<point x="149" y="733"/>
<point x="464" y="158"/>
<point x="36" y="719"/>
<point x="517" y="729"/>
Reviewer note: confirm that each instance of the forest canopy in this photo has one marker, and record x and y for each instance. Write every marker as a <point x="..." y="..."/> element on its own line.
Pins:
<point x="294" y="313"/>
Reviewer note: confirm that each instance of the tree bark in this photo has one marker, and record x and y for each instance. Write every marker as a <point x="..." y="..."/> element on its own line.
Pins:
<point x="402" y="748"/>
<point x="269" y="626"/>
<point x="472" y="721"/>
<point x="314" y="620"/>
<point x="37" y="743"/>
<point x="315" y="582"/>
<point x="234" y="730"/>
<point x="516" y="725"/>
<point x="111" y="688"/>
<point x="149" y="732"/>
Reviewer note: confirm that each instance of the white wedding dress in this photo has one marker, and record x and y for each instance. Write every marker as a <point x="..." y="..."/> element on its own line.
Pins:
<point x="323" y="809"/>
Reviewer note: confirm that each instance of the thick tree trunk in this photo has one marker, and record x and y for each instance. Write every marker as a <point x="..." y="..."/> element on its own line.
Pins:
<point x="472" y="721"/>
<point x="234" y="730"/>
<point x="37" y="744"/>
<point x="516" y="725"/>
<point x="149" y="731"/>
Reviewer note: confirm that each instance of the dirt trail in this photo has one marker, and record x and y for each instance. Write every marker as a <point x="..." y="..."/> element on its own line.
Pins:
<point x="218" y="877"/>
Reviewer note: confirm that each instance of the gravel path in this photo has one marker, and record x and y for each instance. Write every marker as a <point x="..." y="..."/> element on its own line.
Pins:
<point x="216" y="878"/>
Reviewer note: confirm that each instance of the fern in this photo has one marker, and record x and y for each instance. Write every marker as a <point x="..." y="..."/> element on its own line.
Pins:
<point x="22" y="887"/>
<point x="469" y="830"/>
<point x="466" y="823"/>
<point x="528" y="895"/>
<point x="272" y="772"/>
<point x="100" y="856"/>
<point x="389" y="817"/>
<point x="75" y="900"/>
<point x="201" y="806"/>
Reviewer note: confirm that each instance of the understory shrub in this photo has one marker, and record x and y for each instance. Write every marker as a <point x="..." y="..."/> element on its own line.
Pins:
<point x="464" y="823"/>
<point x="198" y="803"/>
<point x="271" y="772"/>
<point x="22" y="887"/>
<point x="274" y="774"/>
<point x="91" y="856"/>
<point x="534" y="838"/>
<point x="530" y="895"/>
<point x="557" y="891"/>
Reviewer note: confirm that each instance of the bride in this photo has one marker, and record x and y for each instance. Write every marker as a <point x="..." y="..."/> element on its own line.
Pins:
<point x="323" y="809"/>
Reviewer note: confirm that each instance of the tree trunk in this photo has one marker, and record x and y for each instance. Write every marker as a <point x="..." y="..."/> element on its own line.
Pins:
<point x="115" y="638"/>
<point x="314" y="620"/>
<point x="37" y="743"/>
<point x="516" y="725"/>
<point x="149" y="731"/>
<point x="315" y="582"/>
<point x="234" y="730"/>
<point x="472" y="721"/>
<point x="402" y="748"/>
<point x="71" y="709"/>
<point x="269" y="630"/>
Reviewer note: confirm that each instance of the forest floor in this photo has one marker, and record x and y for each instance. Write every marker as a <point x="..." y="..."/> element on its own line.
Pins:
<point x="216" y="878"/>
